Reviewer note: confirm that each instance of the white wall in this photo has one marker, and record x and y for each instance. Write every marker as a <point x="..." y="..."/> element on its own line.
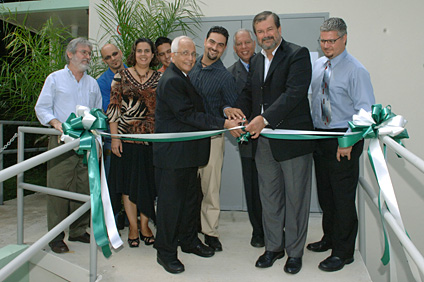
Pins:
<point x="387" y="37"/>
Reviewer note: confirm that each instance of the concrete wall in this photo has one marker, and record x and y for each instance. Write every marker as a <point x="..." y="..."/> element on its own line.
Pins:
<point x="387" y="37"/>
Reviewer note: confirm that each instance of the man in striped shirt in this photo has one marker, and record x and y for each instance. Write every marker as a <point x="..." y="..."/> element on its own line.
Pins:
<point x="218" y="89"/>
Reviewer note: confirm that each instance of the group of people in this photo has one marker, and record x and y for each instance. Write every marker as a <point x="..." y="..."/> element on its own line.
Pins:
<point x="193" y="93"/>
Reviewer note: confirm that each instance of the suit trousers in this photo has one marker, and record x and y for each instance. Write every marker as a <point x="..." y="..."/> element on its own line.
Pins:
<point x="66" y="172"/>
<point x="176" y="211"/>
<point x="210" y="176"/>
<point x="251" y="190"/>
<point x="285" y="191"/>
<point x="336" y="185"/>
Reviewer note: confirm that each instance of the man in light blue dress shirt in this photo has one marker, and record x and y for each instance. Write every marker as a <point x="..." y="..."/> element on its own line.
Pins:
<point x="63" y="90"/>
<point x="341" y="86"/>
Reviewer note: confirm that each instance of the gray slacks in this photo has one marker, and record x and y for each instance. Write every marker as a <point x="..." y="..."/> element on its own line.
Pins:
<point x="285" y="191"/>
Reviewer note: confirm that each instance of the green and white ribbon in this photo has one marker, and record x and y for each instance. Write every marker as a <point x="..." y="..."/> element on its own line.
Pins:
<point x="380" y="122"/>
<point x="83" y="125"/>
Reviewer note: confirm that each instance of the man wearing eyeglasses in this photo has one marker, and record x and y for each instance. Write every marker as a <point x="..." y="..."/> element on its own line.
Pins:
<point x="111" y="56"/>
<point x="63" y="90"/>
<point x="218" y="89"/>
<point x="179" y="108"/>
<point x="341" y="86"/>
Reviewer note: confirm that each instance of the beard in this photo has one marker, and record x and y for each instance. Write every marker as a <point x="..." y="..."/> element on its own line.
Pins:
<point x="80" y="65"/>
<point x="272" y="45"/>
<point x="210" y="57"/>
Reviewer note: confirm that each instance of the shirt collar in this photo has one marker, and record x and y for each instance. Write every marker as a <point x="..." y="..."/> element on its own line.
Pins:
<point x="339" y="58"/>
<point x="273" y="52"/>
<point x="246" y="65"/>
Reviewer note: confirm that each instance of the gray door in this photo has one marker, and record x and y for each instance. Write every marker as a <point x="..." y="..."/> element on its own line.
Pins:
<point x="302" y="29"/>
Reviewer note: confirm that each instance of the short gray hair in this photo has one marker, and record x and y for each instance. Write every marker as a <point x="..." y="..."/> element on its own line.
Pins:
<point x="176" y="42"/>
<point x="72" y="46"/>
<point x="335" y="24"/>
<point x="252" y="36"/>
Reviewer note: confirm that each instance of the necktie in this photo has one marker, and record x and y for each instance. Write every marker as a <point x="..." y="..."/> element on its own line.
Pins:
<point x="325" y="105"/>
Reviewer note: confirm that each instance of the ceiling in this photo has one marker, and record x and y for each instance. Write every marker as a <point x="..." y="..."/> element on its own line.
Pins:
<point x="69" y="13"/>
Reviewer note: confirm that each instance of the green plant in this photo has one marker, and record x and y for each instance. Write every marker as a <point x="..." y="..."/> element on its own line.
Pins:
<point x="151" y="19"/>
<point x="32" y="56"/>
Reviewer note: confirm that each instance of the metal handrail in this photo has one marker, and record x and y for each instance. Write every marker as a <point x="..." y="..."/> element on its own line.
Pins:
<point x="18" y="170"/>
<point x="403" y="238"/>
<point x="12" y="151"/>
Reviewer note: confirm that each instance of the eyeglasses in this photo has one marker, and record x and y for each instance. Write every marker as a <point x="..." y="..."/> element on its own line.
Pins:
<point x="114" y="54"/>
<point x="329" y="41"/>
<point x="186" y="54"/>
<point x="85" y="52"/>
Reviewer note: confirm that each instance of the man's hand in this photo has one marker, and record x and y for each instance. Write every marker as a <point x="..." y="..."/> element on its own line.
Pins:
<point x="255" y="126"/>
<point x="116" y="147"/>
<point x="56" y="124"/>
<point x="343" y="152"/>
<point x="234" y="113"/>
<point x="230" y="123"/>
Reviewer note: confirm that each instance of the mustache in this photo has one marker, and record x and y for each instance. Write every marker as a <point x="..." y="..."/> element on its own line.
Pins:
<point x="267" y="38"/>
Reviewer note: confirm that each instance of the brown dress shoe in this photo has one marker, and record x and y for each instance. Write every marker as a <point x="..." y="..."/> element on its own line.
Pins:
<point x="59" y="247"/>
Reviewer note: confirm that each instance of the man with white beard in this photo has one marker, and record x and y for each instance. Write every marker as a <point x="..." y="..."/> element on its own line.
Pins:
<point x="63" y="90"/>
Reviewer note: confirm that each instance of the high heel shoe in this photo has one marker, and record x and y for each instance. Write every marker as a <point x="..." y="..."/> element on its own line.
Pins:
<point x="147" y="240"/>
<point x="134" y="243"/>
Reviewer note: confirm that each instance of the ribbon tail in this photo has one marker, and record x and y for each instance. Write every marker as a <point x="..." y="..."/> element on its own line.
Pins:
<point x="99" y="228"/>
<point x="112" y="231"/>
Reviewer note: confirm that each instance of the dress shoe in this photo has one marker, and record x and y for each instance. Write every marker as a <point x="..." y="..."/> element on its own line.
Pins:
<point x="293" y="265"/>
<point x="268" y="258"/>
<point x="84" y="238"/>
<point x="213" y="242"/>
<point x="320" y="246"/>
<point x="174" y="266"/>
<point x="201" y="250"/>
<point x="257" y="241"/>
<point x="333" y="263"/>
<point x="59" y="247"/>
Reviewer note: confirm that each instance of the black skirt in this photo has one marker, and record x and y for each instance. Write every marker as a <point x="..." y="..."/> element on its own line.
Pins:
<point x="132" y="174"/>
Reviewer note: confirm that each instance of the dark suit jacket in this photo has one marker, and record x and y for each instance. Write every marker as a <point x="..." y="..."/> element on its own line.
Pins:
<point x="179" y="108"/>
<point x="247" y="150"/>
<point x="284" y="96"/>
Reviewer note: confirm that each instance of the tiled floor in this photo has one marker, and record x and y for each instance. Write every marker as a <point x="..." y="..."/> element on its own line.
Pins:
<point x="235" y="263"/>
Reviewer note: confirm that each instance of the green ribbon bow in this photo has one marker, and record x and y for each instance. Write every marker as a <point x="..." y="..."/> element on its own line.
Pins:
<point x="380" y="116"/>
<point x="74" y="127"/>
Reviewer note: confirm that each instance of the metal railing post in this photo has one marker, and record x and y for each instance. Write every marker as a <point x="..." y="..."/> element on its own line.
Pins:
<point x="20" y="191"/>
<point x="1" y="164"/>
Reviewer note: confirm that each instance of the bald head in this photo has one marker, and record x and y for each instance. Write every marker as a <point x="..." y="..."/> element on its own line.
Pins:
<point x="112" y="56"/>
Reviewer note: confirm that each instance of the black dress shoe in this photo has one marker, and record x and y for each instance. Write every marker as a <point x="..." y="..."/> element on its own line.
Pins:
<point x="268" y="258"/>
<point x="320" y="246"/>
<point x="257" y="241"/>
<point x="174" y="266"/>
<point x="84" y="238"/>
<point x="293" y="265"/>
<point x="333" y="263"/>
<point x="59" y="247"/>
<point x="201" y="250"/>
<point x="213" y="242"/>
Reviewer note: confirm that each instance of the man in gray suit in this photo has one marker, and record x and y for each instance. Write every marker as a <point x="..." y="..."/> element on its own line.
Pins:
<point x="244" y="46"/>
<point x="276" y="96"/>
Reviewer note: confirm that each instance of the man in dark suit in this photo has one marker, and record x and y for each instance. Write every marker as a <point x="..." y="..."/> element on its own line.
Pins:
<point x="179" y="108"/>
<point x="244" y="46"/>
<point x="276" y="96"/>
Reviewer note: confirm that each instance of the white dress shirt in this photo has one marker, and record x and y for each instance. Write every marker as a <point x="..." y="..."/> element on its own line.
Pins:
<point x="61" y="94"/>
